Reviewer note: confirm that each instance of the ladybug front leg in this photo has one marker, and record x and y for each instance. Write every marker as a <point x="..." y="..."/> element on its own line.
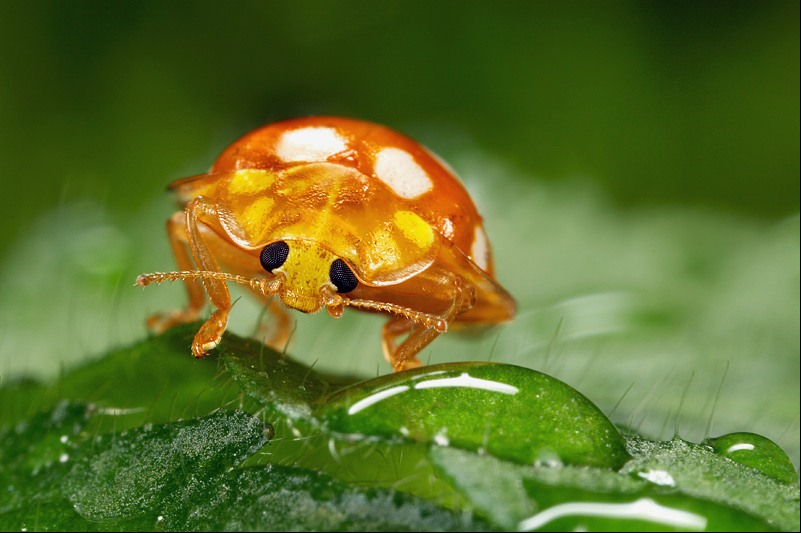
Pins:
<point x="161" y="322"/>
<point x="404" y="357"/>
<point x="202" y="209"/>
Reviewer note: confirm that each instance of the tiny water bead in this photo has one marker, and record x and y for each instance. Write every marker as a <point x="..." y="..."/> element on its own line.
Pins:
<point x="506" y="411"/>
<point x="755" y="451"/>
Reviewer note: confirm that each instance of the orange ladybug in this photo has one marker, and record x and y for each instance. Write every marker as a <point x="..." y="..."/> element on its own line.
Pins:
<point x="333" y="212"/>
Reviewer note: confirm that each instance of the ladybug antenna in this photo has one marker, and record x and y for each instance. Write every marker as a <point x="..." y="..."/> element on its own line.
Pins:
<point x="265" y="286"/>
<point x="429" y="320"/>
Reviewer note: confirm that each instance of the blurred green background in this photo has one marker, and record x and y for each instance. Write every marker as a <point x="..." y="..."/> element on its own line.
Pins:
<point x="637" y="164"/>
<point x="660" y="102"/>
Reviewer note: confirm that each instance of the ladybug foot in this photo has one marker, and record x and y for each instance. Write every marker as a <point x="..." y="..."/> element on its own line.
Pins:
<point x="210" y="334"/>
<point x="407" y="365"/>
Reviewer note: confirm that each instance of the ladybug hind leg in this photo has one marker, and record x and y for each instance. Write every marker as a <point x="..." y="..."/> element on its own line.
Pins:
<point x="275" y="326"/>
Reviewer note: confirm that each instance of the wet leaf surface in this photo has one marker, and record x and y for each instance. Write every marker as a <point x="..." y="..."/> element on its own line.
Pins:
<point x="525" y="498"/>
<point x="133" y="473"/>
<point x="519" y="448"/>
<point x="35" y="454"/>
<point x="181" y="476"/>
<point x="277" y="498"/>
<point x="697" y="471"/>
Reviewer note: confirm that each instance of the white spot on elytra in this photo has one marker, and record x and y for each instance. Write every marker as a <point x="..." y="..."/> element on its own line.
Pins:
<point x="309" y="144"/>
<point x="401" y="173"/>
<point x="480" y="250"/>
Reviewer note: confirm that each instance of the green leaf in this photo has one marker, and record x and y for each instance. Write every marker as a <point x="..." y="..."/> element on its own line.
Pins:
<point x="519" y="497"/>
<point x="698" y="471"/>
<point x="278" y="498"/>
<point x="134" y="473"/>
<point x="35" y="455"/>
<point x="515" y="413"/>
<point x="60" y="515"/>
<point x="283" y="386"/>
<point x="156" y="380"/>
<point x="523" y="450"/>
<point x="182" y="476"/>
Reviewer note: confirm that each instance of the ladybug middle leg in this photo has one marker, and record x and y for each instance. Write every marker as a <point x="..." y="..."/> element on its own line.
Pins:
<point x="275" y="327"/>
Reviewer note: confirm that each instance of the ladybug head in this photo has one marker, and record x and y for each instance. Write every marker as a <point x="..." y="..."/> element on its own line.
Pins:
<point x="308" y="273"/>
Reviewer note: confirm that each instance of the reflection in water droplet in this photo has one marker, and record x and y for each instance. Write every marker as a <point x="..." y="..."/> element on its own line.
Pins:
<point x="375" y="398"/>
<point x="643" y="509"/>
<point x="466" y="380"/>
<point x="741" y="446"/>
<point x="755" y="451"/>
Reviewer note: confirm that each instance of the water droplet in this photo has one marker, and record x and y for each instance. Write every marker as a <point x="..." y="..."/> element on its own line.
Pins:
<point x="514" y="413"/>
<point x="755" y="451"/>
<point x="658" y="477"/>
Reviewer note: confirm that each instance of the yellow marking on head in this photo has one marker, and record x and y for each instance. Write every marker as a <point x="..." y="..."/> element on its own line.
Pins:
<point x="414" y="228"/>
<point x="250" y="181"/>
<point x="305" y="271"/>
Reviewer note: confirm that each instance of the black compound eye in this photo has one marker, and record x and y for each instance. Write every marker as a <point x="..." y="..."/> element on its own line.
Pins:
<point x="342" y="276"/>
<point x="273" y="255"/>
